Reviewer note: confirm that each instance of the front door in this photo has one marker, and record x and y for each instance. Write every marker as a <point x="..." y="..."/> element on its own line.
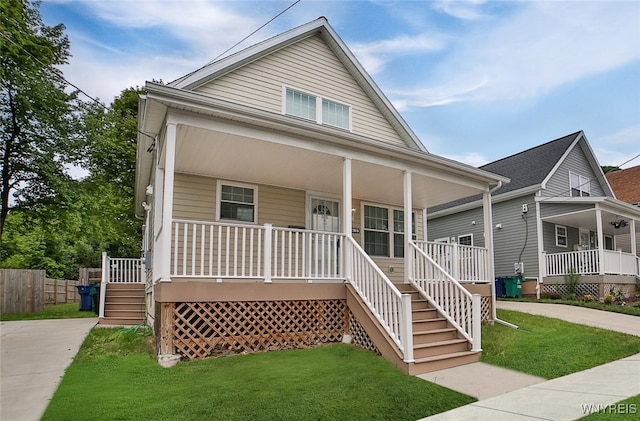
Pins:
<point x="585" y="239"/>
<point x="325" y="217"/>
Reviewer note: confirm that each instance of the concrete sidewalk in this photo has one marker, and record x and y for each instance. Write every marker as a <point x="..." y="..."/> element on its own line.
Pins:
<point x="509" y="395"/>
<point x="617" y="322"/>
<point x="34" y="355"/>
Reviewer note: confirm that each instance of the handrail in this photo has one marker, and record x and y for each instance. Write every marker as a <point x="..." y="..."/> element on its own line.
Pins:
<point x="465" y="263"/>
<point x="385" y="301"/>
<point x="457" y="305"/>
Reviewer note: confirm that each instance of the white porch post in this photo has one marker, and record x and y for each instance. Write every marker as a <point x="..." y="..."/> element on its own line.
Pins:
<point x="268" y="244"/>
<point x="632" y="237"/>
<point x="167" y="202"/>
<point x="408" y="232"/>
<point x="347" y="214"/>
<point x="487" y="215"/>
<point x="600" y="240"/>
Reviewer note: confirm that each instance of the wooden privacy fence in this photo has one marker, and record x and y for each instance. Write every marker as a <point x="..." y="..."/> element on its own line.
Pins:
<point x="28" y="291"/>
<point x="22" y="291"/>
<point x="60" y="291"/>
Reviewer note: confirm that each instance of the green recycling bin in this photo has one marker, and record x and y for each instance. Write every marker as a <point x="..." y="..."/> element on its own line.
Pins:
<point x="513" y="286"/>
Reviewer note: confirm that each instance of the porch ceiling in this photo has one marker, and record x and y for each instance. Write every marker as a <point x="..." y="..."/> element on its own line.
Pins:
<point x="316" y="167"/>
<point x="587" y="220"/>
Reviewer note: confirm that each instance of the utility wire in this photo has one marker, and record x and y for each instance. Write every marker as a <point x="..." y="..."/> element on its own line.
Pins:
<point x="241" y="41"/>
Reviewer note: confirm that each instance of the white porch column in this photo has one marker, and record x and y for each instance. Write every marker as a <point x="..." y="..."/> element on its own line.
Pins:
<point x="600" y="244"/>
<point x="408" y="232"/>
<point x="632" y="237"/>
<point x="347" y="214"/>
<point x="167" y="202"/>
<point x="487" y="215"/>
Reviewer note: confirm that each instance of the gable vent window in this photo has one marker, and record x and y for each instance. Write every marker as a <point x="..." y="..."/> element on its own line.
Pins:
<point x="315" y="108"/>
<point x="580" y="186"/>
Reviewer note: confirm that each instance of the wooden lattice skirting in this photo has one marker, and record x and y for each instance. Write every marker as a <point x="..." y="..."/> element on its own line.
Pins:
<point x="201" y="330"/>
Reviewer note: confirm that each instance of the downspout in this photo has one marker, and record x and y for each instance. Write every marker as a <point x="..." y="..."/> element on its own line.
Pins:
<point x="493" y="282"/>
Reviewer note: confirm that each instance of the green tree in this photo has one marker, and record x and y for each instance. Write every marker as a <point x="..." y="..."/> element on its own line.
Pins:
<point x="39" y="119"/>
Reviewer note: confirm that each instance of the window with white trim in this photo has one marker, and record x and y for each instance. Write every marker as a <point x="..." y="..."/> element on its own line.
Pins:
<point x="237" y="202"/>
<point x="381" y="238"/>
<point x="465" y="240"/>
<point x="580" y="186"/>
<point x="561" y="236"/>
<point x="318" y="109"/>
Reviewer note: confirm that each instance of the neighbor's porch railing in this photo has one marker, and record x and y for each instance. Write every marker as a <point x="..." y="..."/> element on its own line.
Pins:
<point x="464" y="263"/>
<point x="121" y="270"/>
<point x="461" y="308"/>
<point x="587" y="262"/>
<point x="262" y="252"/>
<point x="385" y="301"/>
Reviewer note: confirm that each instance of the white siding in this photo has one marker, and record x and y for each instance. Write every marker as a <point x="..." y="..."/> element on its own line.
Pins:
<point x="308" y="65"/>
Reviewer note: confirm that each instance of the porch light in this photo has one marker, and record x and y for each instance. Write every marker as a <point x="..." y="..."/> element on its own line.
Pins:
<point x="617" y="224"/>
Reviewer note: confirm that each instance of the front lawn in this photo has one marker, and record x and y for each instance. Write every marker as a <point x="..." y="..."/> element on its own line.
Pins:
<point x="115" y="376"/>
<point x="551" y="348"/>
<point x="59" y="311"/>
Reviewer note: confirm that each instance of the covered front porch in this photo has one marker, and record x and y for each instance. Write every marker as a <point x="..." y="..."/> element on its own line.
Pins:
<point x="241" y="201"/>
<point x="601" y="242"/>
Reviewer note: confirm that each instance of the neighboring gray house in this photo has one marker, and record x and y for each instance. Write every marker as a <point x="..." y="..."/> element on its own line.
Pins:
<point x="557" y="213"/>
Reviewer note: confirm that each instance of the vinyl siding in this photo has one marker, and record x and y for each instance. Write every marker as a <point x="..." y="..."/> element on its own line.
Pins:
<point x="457" y="225"/>
<point x="550" y="209"/>
<point x="195" y="199"/>
<point x="310" y="66"/>
<point x="576" y="162"/>
<point x="509" y="241"/>
<point x="549" y="241"/>
<point x="516" y="241"/>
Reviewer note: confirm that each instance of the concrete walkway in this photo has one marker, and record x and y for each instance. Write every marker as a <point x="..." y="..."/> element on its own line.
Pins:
<point x="34" y="355"/>
<point x="509" y="395"/>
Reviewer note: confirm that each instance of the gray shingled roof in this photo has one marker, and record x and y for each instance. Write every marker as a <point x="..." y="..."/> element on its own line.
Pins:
<point x="527" y="168"/>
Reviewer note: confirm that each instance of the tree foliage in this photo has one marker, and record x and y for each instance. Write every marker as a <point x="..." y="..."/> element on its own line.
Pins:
<point x="39" y="134"/>
<point x="50" y="220"/>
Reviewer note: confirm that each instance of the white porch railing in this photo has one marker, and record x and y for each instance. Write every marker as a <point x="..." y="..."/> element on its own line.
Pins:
<point x="231" y="251"/>
<point x="120" y="270"/>
<point x="459" y="306"/>
<point x="587" y="262"/>
<point x="386" y="302"/>
<point x="465" y="263"/>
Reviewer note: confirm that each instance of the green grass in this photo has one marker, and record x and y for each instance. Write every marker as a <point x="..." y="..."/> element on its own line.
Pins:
<point x="115" y="376"/>
<point x="628" y="409"/>
<point x="551" y="348"/>
<point x="59" y="311"/>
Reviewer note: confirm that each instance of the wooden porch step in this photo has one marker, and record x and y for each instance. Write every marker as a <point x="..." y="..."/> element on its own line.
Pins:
<point x="124" y="305"/>
<point x="434" y="335"/>
<point x="121" y="321"/>
<point x="424" y="314"/>
<point x="432" y="349"/>
<point x="440" y="362"/>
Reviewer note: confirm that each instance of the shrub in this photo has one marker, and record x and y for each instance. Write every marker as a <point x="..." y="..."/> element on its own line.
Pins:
<point x="589" y="297"/>
<point x="571" y="280"/>
<point x="608" y="299"/>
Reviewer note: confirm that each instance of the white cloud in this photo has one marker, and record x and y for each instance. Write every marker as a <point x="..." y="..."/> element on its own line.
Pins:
<point x="544" y="46"/>
<point x="620" y="148"/>
<point x="467" y="10"/>
<point x="375" y="55"/>
<point x="475" y="159"/>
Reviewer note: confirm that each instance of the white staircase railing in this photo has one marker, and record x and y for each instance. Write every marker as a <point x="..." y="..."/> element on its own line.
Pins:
<point x="461" y="308"/>
<point x="465" y="263"/>
<point x="123" y="270"/>
<point x="390" y="307"/>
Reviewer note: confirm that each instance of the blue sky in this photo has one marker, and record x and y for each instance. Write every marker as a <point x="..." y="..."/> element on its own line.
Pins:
<point x="476" y="80"/>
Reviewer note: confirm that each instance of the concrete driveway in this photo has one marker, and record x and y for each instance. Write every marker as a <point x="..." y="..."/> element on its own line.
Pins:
<point x="34" y="355"/>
